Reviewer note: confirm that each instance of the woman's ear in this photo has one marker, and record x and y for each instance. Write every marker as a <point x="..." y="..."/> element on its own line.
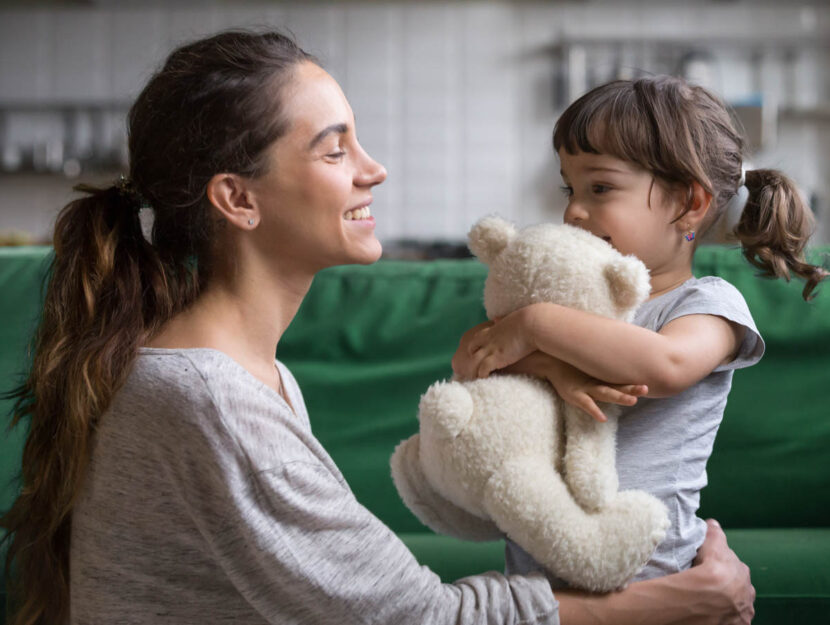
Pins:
<point x="231" y="197"/>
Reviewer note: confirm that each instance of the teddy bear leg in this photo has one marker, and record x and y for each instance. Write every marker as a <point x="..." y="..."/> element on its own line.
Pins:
<point x="433" y="510"/>
<point x="445" y="409"/>
<point x="597" y="552"/>
<point x="590" y="458"/>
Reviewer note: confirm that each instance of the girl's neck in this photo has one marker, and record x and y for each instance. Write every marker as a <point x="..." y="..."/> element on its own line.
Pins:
<point x="663" y="283"/>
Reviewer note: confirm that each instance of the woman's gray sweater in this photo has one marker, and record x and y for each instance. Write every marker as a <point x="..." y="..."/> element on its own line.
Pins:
<point x="208" y="500"/>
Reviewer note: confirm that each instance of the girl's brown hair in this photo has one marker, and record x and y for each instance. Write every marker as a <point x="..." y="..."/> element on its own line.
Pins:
<point x="682" y="133"/>
<point x="213" y="107"/>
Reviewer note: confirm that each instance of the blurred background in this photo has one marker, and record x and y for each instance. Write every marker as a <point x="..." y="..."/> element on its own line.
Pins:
<point x="457" y="99"/>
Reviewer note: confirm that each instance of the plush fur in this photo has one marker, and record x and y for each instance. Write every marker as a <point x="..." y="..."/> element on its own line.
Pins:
<point x="505" y="455"/>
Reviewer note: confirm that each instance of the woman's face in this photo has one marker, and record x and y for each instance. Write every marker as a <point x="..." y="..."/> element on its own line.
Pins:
<point x="314" y="199"/>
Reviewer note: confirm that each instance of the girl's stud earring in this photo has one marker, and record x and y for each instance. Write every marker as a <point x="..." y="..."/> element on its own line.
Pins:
<point x="250" y="222"/>
<point x="690" y="235"/>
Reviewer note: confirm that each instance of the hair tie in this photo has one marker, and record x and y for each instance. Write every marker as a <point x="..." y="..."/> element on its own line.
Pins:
<point x="127" y="189"/>
<point x="735" y="206"/>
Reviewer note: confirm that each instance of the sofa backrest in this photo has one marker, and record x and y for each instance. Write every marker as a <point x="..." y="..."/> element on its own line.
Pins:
<point x="368" y="341"/>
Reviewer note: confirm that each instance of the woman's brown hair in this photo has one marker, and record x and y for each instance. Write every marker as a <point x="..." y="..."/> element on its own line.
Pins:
<point x="682" y="133"/>
<point x="213" y="107"/>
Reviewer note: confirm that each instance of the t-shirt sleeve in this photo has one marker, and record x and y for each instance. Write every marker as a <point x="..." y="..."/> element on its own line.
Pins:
<point x="715" y="296"/>
<point x="296" y="543"/>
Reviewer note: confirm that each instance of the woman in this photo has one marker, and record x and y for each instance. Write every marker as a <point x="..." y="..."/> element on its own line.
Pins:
<point x="170" y="474"/>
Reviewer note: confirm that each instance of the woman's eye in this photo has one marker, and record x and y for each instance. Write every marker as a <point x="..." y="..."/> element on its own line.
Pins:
<point x="600" y="188"/>
<point x="336" y="155"/>
<point x="566" y="191"/>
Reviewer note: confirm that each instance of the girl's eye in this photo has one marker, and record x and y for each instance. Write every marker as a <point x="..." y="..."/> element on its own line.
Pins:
<point x="336" y="155"/>
<point x="600" y="188"/>
<point x="567" y="191"/>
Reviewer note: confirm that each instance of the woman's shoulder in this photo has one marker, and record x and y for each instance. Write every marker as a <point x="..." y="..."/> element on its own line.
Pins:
<point x="190" y="384"/>
<point x="202" y="398"/>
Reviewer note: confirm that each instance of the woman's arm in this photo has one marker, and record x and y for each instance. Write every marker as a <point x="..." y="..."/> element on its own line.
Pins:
<point x="716" y="590"/>
<point x="683" y="352"/>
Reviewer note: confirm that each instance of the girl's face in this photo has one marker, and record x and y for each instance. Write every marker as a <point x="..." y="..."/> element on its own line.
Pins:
<point x="623" y="204"/>
<point x="315" y="197"/>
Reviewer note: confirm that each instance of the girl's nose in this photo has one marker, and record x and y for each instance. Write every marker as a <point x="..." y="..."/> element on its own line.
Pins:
<point x="575" y="214"/>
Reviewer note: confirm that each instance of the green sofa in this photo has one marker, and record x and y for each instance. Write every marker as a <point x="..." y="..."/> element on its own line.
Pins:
<point x="369" y="340"/>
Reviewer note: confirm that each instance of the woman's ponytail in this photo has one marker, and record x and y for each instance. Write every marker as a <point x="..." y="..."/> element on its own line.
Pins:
<point x="774" y="228"/>
<point x="214" y="107"/>
<point x="107" y="290"/>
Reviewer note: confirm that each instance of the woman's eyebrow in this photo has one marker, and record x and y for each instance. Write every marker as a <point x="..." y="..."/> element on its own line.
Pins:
<point x="338" y="128"/>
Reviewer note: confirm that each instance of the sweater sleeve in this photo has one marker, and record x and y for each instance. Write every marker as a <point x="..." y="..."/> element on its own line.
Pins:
<point x="296" y="544"/>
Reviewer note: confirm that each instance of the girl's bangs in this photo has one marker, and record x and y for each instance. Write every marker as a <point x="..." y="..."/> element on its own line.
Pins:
<point x="607" y="120"/>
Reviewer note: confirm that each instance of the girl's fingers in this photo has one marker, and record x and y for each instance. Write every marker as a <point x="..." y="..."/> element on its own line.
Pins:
<point x="637" y="390"/>
<point x="476" y="343"/>
<point x="584" y="402"/>
<point x="622" y="395"/>
<point x="486" y="367"/>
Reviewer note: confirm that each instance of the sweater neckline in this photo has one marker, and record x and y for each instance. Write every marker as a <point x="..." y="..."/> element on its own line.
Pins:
<point x="289" y="401"/>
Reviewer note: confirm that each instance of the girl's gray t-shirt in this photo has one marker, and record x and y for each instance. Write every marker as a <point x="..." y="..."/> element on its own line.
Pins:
<point x="663" y="444"/>
<point x="209" y="500"/>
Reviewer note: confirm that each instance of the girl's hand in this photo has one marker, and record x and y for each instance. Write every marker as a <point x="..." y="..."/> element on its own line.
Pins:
<point x="497" y="345"/>
<point x="463" y="364"/>
<point x="577" y="388"/>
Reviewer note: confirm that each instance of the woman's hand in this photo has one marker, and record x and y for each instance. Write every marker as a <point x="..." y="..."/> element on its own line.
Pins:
<point x="575" y="387"/>
<point x="493" y="345"/>
<point x="716" y="591"/>
<point x="734" y="594"/>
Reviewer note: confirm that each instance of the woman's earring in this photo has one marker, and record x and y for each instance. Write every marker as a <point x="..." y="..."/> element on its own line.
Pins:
<point x="250" y="222"/>
<point x="690" y="235"/>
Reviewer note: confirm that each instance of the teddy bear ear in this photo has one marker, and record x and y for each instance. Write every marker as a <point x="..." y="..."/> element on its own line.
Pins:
<point x="628" y="282"/>
<point x="489" y="236"/>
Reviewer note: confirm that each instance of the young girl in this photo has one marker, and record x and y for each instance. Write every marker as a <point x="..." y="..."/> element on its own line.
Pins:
<point x="170" y="473"/>
<point x="650" y="165"/>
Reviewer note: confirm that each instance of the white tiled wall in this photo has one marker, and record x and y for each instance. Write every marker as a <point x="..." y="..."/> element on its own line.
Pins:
<point x="456" y="98"/>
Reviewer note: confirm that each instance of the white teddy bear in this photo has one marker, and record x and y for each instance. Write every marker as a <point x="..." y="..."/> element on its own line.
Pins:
<point x="505" y="455"/>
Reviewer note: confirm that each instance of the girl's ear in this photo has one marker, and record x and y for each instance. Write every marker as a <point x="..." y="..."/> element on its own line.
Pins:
<point x="701" y="200"/>
<point x="489" y="236"/>
<point x="230" y="196"/>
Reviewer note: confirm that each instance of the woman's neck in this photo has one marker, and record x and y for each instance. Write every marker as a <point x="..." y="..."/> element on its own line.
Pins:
<point x="243" y="315"/>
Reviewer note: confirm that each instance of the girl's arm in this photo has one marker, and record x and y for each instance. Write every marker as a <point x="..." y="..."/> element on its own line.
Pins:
<point x="684" y="351"/>
<point x="574" y="386"/>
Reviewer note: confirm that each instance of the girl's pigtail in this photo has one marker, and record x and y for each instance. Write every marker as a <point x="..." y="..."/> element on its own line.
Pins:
<point x="774" y="229"/>
<point x="107" y="289"/>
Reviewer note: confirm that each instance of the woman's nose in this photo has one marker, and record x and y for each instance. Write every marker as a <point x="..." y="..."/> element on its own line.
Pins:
<point x="371" y="172"/>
